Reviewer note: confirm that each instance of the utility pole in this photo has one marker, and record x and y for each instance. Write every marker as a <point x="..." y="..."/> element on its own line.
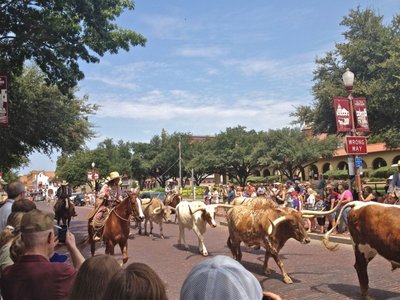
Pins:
<point x="180" y="167"/>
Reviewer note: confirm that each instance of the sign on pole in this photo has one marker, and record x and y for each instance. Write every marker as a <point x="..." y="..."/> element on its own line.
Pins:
<point x="360" y="107"/>
<point x="342" y="114"/>
<point x="356" y="145"/>
<point x="3" y="101"/>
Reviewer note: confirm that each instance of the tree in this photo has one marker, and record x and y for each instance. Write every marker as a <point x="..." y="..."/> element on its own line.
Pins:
<point x="371" y="51"/>
<point x="41" y="118"/>
<point x="201" y="162"/>
<point x="57" y="34"/>
<point x="289" y="149"/>
<point x="233" y="153"/>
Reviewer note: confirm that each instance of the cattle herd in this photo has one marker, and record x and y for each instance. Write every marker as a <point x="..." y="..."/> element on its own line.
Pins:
<point x="260" y="222"/>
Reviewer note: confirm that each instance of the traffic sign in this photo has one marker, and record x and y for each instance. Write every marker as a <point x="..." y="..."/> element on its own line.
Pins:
<point x="358" y="162"/>
<point x="356" y="145"/>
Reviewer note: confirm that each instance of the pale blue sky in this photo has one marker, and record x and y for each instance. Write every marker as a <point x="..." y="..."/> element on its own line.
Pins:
<point x="209" y="65"/>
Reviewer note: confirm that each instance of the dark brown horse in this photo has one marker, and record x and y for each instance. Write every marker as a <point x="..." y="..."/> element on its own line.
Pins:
<point x="116" y="228"/>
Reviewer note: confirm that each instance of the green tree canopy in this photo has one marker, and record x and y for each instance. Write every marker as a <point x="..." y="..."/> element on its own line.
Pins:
<point x="57" y="34"/>
<point x="372" y="52"/>
<point x="41" y="118"/>
<point x="290" y="149"/>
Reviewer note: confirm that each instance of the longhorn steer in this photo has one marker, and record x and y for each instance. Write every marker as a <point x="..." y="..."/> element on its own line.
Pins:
<point x="196" y="215"/>
<point x="374" y="229"/>
<point x="267" y="225"/>
<point x="154" y="211"/>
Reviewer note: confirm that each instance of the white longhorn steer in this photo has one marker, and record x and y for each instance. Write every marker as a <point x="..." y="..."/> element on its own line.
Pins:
<point x="195" y="215"/>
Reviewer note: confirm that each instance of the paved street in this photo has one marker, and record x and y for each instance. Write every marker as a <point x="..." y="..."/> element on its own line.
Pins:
<point x="316" y="272"/>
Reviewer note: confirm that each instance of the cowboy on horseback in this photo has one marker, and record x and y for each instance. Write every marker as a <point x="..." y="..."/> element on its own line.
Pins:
<point x="110" y="195"/>
<point x="63" y="195"/>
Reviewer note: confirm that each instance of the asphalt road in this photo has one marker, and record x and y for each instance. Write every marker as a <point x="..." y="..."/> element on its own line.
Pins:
<point x="316" y="272"/>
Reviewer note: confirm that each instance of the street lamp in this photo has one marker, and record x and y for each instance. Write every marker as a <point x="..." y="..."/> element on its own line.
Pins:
<point x="348" y="80"/>
<point x="93" y="165"/>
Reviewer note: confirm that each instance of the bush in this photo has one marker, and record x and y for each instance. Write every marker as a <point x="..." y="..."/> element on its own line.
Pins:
<point x="383" y="172"/>
<point x="256" y="179"/>
<point x="337" y="174"/>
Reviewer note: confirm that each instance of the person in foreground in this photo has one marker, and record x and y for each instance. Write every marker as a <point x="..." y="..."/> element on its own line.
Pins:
<point x="33" y="276"/>
<point x="137" y="282"/>
<point x="93" y="276"/>
<point x="222" y="277"/>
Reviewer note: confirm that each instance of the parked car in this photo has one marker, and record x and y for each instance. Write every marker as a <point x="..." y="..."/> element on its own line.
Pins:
<point x="78" y="199"/>
<point x="150" y="195"/>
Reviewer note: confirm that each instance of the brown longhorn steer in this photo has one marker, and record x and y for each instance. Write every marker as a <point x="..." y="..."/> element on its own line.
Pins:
<point x="252" y="225"/>
<point x="374" y="229"/>
<point x="155" y="211"/>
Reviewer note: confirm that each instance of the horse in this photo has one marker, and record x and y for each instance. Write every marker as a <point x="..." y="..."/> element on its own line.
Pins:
<point x="64" y="211"/>
<point x="115" y="229"/>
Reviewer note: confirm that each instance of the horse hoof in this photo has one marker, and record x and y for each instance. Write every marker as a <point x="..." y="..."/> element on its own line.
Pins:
<point x="162" y="236"/>
<point x="150" y="235"/>
<point x="205" y="253"/>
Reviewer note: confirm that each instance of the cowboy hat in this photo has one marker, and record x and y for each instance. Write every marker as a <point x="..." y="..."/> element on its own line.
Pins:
<point x="64" y="182"/>
<point x="112" y="176"/>
<point x="396" y="165"/>
<point x="2" y="181"/>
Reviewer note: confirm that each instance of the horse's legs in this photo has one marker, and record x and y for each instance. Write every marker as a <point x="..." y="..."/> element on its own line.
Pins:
<point x="91" y="241"/>
<point x="110" y="248"/>
<point x="124" y="251"/>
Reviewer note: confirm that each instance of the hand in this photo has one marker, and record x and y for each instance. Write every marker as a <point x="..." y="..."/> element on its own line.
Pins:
<point x="70" y="240"/>
<point x="271" y="296"/>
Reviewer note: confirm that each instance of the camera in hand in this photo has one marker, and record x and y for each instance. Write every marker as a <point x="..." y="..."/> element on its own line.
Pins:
<point x="62" y="232"/>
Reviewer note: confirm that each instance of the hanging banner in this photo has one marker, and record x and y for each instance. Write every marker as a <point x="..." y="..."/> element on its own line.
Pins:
<point x="360" y="107"/>
<point x="3" y="101"/>
<point x="342" y="114"/>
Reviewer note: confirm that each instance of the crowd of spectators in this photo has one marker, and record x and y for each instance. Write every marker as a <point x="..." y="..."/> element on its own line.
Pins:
<point x="30" y="269"/>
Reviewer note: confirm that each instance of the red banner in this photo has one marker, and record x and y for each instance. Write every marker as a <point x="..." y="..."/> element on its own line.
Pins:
<point x="3" y="101"/>
<point x="342" y="114"/>
<point x="360" y="107"/>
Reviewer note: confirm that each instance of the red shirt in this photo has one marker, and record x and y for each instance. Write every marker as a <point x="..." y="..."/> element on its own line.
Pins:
<point x="35" y="278"/>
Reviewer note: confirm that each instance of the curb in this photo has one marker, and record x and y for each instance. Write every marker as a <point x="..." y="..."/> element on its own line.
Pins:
<point x="317" y="236"/>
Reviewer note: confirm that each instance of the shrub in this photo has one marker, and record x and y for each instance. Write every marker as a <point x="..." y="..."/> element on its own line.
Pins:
<point x="383" y="172"/>
<point x="337" y="174"/>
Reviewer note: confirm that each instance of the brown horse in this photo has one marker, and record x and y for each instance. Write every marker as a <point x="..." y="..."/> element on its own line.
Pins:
<point x="116" y="228"/>
<point x="64" y="211"/>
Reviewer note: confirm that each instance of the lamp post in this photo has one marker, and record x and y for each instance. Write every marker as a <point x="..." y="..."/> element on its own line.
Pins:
<point x="93" y="165"/>
<point x="348" y="80"/>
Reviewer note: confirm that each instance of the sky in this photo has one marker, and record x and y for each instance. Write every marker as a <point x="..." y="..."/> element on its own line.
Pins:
<point x="210" y="65"/>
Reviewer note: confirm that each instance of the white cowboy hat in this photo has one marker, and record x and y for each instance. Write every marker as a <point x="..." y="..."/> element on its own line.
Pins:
<point x="2" y="181"/>
<point x="112" y="176"/>
<point x="64" y="182"/>
<point x="390" y="177"/>
<point x="396" y="165"/>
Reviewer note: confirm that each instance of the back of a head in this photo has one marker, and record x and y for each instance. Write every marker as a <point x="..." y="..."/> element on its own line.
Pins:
<point x="14" y="189"/>
<point x="220" y="277"/>
<point x="137" y="282"/>
<point x="93" y="276"/>
<point x="23" y="205"/>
